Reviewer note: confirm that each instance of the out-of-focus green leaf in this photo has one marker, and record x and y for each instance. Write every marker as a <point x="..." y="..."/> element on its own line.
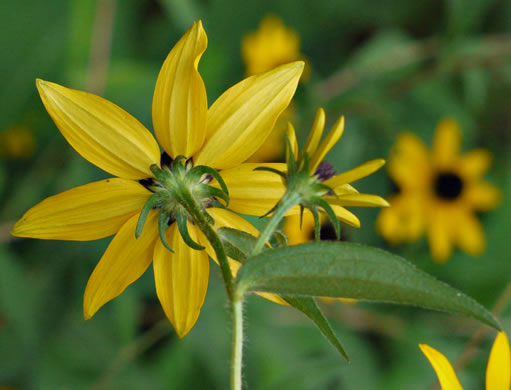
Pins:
<point x="338" y="269"/>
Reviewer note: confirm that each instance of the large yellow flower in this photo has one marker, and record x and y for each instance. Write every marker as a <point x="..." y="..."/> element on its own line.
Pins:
<point x="220" y="137"/>
<point x="498" y="371"/>
<point x="260" y="191"/>
<point x="439" y="193"/>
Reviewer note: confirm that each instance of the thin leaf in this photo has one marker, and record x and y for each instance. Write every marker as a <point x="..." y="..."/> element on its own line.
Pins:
<point x="339" y="269"/>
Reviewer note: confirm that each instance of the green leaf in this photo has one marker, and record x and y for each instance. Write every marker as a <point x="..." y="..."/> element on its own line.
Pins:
<point x="310" y="308"/>
<point x="237" y="244"/>
<point x="348" y="270"/>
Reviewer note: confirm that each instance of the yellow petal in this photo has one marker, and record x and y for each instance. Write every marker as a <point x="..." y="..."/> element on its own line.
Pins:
<point x="470" y="234"/>
<point x="483" y="196"/>
<point x="243" y="117"/>
<point x="444" y="371"/>
<point x="358" y="200"/>
<point x="103" y="133"/>
<point x="88" y="212"/>
<point x="446" y="143"/>
<point x="291" y="136"/>
<point x="346" y="216"/>
<point x="124" y="261"/>
<point x="498" y="372"/>
<point x="354" y="174"/>
<point x="295" y="233"/>
<point x="329" y="142"/>
<point x="253" y="192"/>
<point x="409" y="164"/>
<point x="439" y="238"/>
<point x="475" y="163"/>
<point x="180" y="103"/>
<point x="181" y="279"/>
<point x="316" y="132"/>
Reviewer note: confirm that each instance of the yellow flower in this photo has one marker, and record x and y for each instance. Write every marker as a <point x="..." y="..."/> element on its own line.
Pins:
<point x="17" y="142"/>
<point x="439" y="193"/>
<point x="498" y="371"/>
<point x="220" y="137"/>
<point x="248" y="195"/>
<point x="273" y="44"/>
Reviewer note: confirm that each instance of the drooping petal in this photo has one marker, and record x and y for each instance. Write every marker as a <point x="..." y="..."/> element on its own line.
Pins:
<point x="470" y="234"/>
<point x="181" y="279"/>
<point x="475" y="163"/>
<point x="243" y="117"/>
<point x="358" y="200"/>
<point x="446" y="143"/>
<point x="444" y="371"/>
<point x="409" y="164"/>
<point x="253" y="192"/>
<point x="316" y="132"/>
<point x="180" y="103"/>
<point x="101" y="132"/>
<point x="498" y="372"/>
<point x="483" y="196"/>
<point x="439" y="237"/>
<point x="88" y="212"/>
<point x="124" y="261"/>
<point x="346" y="216"/>
<point x="355" y="174"/>
<point x="331" y="139"/>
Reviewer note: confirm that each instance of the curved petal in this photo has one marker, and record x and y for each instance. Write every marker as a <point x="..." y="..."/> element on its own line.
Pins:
<point x="243" y="117"/>
<point x="331" y="139"/>
<point x="181" y="279"/>
<point x="253" y="192"/>
<point x="446" y="143"/>
<point x="180" y="103"/>
<point x="498" y="372"/>
<point x="409" y="164"/>
<point x="440" y="244"/>
<point x="346" y="216"/>
<point x="470" y="234"/>
<point x="88" y="212"/>
<point x="316" y="132"/>
<point x="482" y="196"/>
<point x="358" y="200"/>
<point x="444" y="371"/>
<point x="291" y="136"/>
<point x="475" y="163"/>
<point x="101" y="132"/>
<point x="124" y="261"/>
<point x="355" y="174"/>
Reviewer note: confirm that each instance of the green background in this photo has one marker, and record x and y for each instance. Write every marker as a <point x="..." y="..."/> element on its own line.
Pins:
<point x="387" y="66"/>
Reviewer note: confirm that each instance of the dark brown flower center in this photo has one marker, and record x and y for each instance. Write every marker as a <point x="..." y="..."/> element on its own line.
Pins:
<point x="325" y="171"/>
<point x="448" y="185"/>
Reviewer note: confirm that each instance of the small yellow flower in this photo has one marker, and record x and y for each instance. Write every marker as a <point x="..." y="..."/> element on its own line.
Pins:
<point x="273" y="44"/>
<point x="248" y="195"/>
<point x="498" y="371"/>
<point x="221" y="137"/>
<point x="439" y="193"/>
<point x="17" y="143"/>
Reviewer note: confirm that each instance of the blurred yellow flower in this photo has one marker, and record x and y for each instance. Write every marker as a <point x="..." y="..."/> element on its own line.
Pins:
<point x="17" y="143"/>
<point x="221" y="137"/>
<point x="273" y="44"/>
<point x="439" y="193"/>
<point x="498" y="371"/>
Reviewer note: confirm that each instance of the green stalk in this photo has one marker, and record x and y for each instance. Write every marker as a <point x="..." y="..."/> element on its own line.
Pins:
<point x="193" y="208"/>
<point x="237" y="342"/>
<point x="290" y="199"/>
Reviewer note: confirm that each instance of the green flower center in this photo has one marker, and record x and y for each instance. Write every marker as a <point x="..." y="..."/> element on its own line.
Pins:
<point x="448" y="185"/>
<point x="180" y="190"/>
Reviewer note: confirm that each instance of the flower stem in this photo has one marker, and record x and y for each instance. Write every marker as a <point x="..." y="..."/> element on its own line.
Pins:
<point x="237" y="342"/>
<point x="200" y="220"/>
<point x="289" y="200"/>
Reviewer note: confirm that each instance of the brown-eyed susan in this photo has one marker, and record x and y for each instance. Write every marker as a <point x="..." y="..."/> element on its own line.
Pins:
<point x="440" y="193"/>
<point x="150" y="204"/>
<point x="498" y="371"/>
<point x="335" y="192"/>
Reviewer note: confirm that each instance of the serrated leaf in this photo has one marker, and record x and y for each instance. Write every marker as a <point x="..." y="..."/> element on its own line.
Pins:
<point x="348" y="270"/>
<point x="310" y="308"/>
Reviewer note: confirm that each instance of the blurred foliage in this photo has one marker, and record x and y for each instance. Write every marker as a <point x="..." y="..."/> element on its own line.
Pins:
<point x="387" y="66"/>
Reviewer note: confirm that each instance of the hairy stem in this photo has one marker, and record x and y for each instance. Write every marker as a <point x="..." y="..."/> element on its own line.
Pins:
<point x="237" y="342"/>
